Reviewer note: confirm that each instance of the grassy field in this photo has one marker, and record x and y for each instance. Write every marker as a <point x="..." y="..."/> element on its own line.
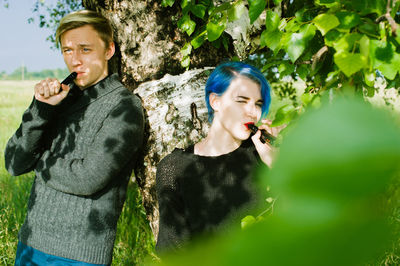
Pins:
<point x="134" y="238"/>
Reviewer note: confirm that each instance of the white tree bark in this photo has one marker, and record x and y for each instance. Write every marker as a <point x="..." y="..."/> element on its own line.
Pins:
<point x="176" y="117"/>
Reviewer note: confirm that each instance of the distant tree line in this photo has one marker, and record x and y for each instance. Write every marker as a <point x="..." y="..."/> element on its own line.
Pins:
<point x="22" y="73"/>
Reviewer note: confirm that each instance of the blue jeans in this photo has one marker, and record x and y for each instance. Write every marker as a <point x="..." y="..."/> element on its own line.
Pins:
<point x="28" y="256"/>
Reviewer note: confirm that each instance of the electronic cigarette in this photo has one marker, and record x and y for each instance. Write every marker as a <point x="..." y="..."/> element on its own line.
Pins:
<point x="70" y="78"/>
<point x="265" y="136"/>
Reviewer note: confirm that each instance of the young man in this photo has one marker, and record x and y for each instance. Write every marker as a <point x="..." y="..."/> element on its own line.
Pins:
<point x="82" y="142"/>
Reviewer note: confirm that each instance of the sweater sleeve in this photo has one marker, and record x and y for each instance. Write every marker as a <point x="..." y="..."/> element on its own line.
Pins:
<point x="26" y="146"/>
<point x="173" y="227"/>
<point x="116" y="143"/>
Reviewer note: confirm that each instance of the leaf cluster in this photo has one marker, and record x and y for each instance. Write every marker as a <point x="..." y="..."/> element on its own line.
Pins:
<point x="340" y="46"/>
<point x="49" y="16"/>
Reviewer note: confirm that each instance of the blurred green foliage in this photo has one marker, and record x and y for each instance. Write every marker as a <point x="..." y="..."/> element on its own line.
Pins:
<point x="331" y="180"/>
<point x="22" y="73"/>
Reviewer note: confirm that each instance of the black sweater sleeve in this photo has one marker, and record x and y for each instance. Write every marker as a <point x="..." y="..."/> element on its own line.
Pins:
<point x="173" y="227"/>
<point x="25" y="147"/>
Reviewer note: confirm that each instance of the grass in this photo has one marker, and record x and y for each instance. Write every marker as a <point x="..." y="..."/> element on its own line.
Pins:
<point x="134" y="241"/>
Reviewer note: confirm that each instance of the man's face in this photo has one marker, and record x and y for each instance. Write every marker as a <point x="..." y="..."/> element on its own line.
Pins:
<point x="85" y="53"/>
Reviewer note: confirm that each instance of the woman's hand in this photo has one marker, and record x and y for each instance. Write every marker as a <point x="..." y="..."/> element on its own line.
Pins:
<point x="266" y="150"/>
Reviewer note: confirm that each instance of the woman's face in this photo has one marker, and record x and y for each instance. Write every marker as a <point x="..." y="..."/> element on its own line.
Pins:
<point x="241" y="103"/>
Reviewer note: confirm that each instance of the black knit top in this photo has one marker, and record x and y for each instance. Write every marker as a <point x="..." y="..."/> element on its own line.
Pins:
<point x="201" y="194"/>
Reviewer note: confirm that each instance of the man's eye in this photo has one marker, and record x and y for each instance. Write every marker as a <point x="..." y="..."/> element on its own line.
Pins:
<point x="86" y="49"/>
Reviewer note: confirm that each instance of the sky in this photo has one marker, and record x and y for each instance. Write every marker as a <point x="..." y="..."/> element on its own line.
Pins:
<point x="23" y="43"/>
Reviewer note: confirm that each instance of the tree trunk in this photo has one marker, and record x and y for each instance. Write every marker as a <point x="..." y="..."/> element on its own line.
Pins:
<point x="148" y="47"/>
<point x="148" y="39"/>
<point x="176" y="117"/>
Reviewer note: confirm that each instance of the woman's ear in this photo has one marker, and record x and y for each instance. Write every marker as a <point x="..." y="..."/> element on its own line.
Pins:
<point x="214" y="101"/>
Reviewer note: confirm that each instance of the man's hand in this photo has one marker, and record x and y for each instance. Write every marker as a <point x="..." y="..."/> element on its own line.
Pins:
<point x="48" y="91"/>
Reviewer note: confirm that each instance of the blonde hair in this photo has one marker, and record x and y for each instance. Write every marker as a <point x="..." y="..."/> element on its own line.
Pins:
<point x="85" y="17"/>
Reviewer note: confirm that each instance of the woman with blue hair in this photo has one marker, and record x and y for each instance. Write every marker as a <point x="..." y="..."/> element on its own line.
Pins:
<point x="204" y="187"/>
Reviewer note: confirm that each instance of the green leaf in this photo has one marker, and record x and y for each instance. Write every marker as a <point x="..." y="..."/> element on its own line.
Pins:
<point x="186" y="24"/>
<point x="298" y="41"/>
<point x="349" y="63"/>
<point x="370" y="6"/>
<point x="271" y="39"/>
<point x="247" y="221"/>
<point x="186" y="49"/>
<point x="165" y="3"/>
<point x="185" y="3"/>
<point x="198" y="10"/>
<point x="199" y="39"/>
<point x="326" y="22"/>
<point x="302" y="71"/>
<point x="364" y="46"/>
<point x="332" y="37"/>
<point x="236" y="11"/>
<point x="285" y="69"/>
<point x="369" y="78"/>
<point x="347" y="42"/>
<point x="272" y="21"/>
<point x="384" y="58"/>
<point x="369" y="27"/>
<point x="284" y="115"/>
<point x="185" y="62"/>
<point x="216" y="26"/>
<point x="256" y="7"/>
<point x="348" y="20"/>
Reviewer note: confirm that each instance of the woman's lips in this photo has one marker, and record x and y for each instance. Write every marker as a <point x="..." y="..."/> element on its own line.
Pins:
<point x="248" y="125"/>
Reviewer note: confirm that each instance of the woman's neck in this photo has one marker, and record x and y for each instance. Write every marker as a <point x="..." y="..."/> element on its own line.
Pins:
<point x="218" y="142"/>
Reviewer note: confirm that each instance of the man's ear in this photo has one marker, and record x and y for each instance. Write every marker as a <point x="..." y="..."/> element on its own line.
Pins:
<point x="214" y="100"/>
<point x="110" y="50"/>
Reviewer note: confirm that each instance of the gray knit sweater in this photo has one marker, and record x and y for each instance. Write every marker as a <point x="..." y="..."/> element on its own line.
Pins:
<point x="82" y="152"/>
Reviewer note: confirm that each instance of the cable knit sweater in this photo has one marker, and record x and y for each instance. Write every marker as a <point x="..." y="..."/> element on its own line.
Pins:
<point x="82" y="152"/>
<point x="200" y="195"/>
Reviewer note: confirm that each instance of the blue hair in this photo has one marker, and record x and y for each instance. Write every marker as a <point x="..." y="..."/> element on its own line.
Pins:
<point x="225" y="73"/>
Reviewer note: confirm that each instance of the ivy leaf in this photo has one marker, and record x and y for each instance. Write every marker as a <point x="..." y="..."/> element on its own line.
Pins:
<point x="302" y="71"/>
<point x="236" y="11"/>
<point x="370" y="6"/>
<point x="186" y="24"/>
<point x="347" y="42"/>
<point x="185" y="61"/>
<point x="256" y="7"/>
<point x="272" y="21"/>
<point x="186" y="49"/>
<point x="271" y="39"/>
<point x="332" y="37"/>
<point x="199" y="39"/>
<point x="216" y="26"/>
<point x="285" y="68"/>
<point x="298" y="41"/>
<point x="364" y="46"/>
<point x="165" y="3"/>
<point x="326" y="22"/>
<point x="349" y="63"/>
<point x="198" y="10"/>
<point x="284" y="115"/>
<point x="384" y="58"/>
<point x="348" y="20"/>
<point x="247" y="221"/>
<point x="369" y="78"/>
